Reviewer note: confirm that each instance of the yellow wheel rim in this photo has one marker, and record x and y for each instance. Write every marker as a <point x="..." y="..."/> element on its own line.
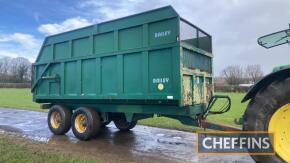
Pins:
<point x="81" y="123"/>
<point x="55" y="120"/>
<point x="280" y="127"/>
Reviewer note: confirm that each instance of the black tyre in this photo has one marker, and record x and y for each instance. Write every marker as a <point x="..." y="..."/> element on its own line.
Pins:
<point x="121" y="122"/>
<point x="59" y="119"/>
<point x="261" y="111"/>
<point x="86" y="123"/>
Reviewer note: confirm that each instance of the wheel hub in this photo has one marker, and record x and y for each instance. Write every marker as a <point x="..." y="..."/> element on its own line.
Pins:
<point x="280" y="126"/>
<point x="81" y="123"/>
<point x="55" y="120"/>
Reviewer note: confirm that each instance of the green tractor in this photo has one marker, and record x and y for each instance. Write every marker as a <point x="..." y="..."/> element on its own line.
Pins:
<point x="269" y="106"/>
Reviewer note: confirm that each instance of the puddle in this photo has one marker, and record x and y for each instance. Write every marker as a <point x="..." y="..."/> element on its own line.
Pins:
<point x="142" y="144"/>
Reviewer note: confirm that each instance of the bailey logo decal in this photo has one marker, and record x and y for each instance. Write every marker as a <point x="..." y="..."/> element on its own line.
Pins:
<point x="162" y="34"/>
<point x="160" y="80"/>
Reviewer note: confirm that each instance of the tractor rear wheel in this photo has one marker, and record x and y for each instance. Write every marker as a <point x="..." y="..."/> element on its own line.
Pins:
<point x="121" y="122"/>
<point x="269" y="111"/>
<point x="86" y="123"/>
<point x="58" y="119"/>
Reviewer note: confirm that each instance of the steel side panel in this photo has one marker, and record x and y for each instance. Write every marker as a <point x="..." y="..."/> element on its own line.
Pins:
<point x="135" y="62"/>
<point x="124" y="76"/>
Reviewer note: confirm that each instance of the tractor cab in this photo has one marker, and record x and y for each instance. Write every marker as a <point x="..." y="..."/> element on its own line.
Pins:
<point x="282" y="67"/>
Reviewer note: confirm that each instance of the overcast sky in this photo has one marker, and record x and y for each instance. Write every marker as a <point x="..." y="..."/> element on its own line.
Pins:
<point x="234" y="25"/>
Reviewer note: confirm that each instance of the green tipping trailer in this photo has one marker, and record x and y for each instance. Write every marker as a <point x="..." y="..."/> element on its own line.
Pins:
<point x="124" y="70"/>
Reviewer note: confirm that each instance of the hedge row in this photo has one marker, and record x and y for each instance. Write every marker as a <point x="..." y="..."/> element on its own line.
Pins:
<point x="15" y="85"/>
<point x="228" y="88"/>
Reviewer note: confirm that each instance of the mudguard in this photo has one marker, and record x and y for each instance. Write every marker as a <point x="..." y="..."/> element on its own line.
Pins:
<point x="266" y="81"/>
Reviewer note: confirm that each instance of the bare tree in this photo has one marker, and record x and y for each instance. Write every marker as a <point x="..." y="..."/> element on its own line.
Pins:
<point x="20" y="68"/>
<point x="4" y="65"/>
<point x="1" y="67"/>
<point x="233" y="74"/>
<point x="4" y="69"/>
<point x="15" y="70"/>
<point x="254" y="73"/>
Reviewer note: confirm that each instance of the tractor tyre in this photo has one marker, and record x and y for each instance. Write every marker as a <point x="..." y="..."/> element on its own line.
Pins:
<point x="269" y="111"/>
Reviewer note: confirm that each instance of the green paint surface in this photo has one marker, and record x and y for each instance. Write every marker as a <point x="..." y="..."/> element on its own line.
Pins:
<point x="137" y="59"/>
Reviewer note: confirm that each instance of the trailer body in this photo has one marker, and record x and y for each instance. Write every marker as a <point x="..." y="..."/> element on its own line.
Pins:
<point x="150" y="63"/>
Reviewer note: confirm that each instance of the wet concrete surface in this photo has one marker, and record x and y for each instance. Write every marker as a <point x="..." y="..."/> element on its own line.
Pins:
<point x="142" y="144"/>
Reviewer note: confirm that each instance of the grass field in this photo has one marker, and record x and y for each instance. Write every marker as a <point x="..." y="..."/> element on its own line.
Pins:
<point x="17" y="98"/>
<point x="22" y="98"/>
<point x="16" y="149"/>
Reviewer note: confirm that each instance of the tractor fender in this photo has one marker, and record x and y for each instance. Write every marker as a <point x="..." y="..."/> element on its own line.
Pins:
<point x="266" y="81"/>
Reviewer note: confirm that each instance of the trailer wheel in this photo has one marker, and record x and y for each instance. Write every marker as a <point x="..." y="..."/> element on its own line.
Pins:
<point x="86" y="123"/>
<point x="270" y="111"/>
<point x="59" y="119"/>
<point x="121" y="122"/>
